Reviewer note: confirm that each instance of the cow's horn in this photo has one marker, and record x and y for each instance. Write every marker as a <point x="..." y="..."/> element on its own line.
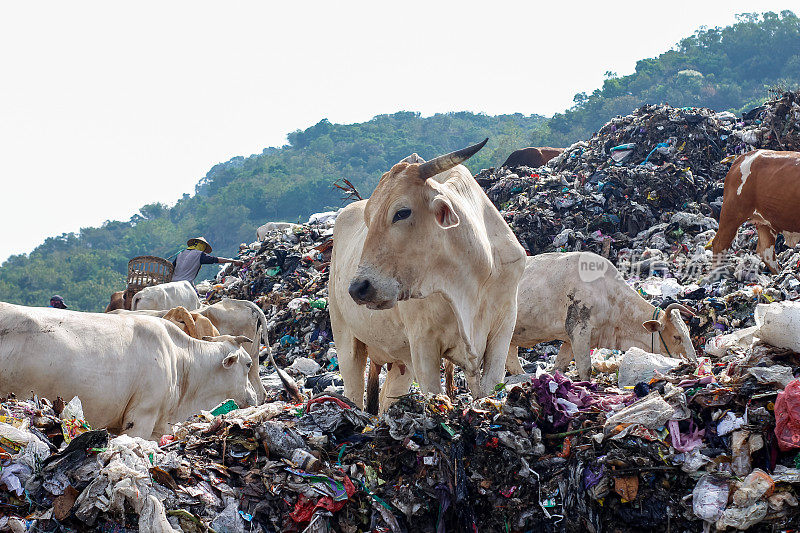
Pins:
<point x="448" y="161"/>
<point x="682" y="308"/>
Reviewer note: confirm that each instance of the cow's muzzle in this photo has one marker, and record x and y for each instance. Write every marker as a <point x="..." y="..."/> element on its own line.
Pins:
<point x="362" y="291"/>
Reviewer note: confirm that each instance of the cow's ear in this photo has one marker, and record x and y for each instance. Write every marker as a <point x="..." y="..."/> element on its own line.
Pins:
<point x="443" y="211"/>
<point x="230" y="360"/>
<point x="653" y="326"/>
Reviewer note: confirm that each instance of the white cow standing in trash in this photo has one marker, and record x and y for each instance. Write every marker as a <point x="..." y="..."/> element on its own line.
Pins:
<point x="580" y="298"/>
<point x="134" y="374"/>
<point x="235" y="318"/>
<point x="425" y="269"/>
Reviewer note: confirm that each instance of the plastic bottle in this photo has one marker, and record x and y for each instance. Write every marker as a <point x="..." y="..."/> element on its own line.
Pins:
<point x="280" y="440"/>
<point x="306" y="461"/>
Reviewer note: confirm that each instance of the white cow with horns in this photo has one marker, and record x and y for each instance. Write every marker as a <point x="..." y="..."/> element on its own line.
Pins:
<point x="425" y="269"/>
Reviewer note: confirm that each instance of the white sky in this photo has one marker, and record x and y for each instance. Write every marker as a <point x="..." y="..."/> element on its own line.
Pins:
<point x="105" y="107"/>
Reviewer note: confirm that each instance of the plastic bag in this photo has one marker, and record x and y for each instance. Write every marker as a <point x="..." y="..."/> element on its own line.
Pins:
<point x="709" y="497"/>
<point x="779" y="324"/>
<point x="743" y="517"/>
<point x="756" y="485"/>
<point x="15" y="438"/>
<point x="651" y="412"/>
<point x="638" y="365"/>
<point x="229" y="521"/>
<point x="787" y="417"/>
<point x="606" y="360"/>
<point x="72" y="421"/>
<point x="719" y="345"/>
<point x="740" y="450"/>
<point x="777" y="374"/>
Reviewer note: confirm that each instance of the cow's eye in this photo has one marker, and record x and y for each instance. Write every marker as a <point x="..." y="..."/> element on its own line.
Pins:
<point x="249" y="365"/>
<point x="401" y="214"/>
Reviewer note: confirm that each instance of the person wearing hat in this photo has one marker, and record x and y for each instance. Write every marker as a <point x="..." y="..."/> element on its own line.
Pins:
<point x="57" y="302"/>
<point x="187" y="264"/>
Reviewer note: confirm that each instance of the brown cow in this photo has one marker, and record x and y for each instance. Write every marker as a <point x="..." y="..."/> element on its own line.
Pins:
<point x="120" y="300"/>
<point x="192" y="323"/>
<point x="531" y="157"/>
<point x="763" y="187"/>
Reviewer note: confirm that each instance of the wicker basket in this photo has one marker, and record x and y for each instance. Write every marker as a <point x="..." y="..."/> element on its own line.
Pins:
<point x="147" y="270"/>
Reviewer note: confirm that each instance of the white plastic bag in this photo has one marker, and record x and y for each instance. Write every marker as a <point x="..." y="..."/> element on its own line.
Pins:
<point x="638" y="365"/>
<point x="778" y="324"/>
<point x="651" y="412"/>
<point x="709" y="497"/>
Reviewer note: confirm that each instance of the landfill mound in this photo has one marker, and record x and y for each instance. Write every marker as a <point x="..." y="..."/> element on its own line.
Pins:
<point x="683" y="447"/>
<point x="774" y="125"/>
<point x="287" y="276"/>
<point x="646" y="191"/>
<point x="637" y="172"/>
<point x="696" y="444"/>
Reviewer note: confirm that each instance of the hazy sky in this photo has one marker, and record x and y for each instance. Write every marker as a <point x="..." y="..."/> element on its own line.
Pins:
<point x="105" y="107"/>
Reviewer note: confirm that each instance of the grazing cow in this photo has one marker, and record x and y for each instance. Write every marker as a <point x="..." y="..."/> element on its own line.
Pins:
<point x="166" y="296"/>
<point x="263" y="231"/>
<point x="242" y="317"/>
<point x="425" y="269"/>
<point x="232" y="317"/>
<point x="134" y="374"/>
<point x="763" y="187"/>
<point x="581" y="299"/>
<point x="191" y="322"/>
<point x="531" y="157"/>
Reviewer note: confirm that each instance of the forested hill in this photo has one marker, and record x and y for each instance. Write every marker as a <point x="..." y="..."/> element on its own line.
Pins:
<point x="728" y="68"/>
<point x="723" y="68"/>
<point x="236" y="197"/>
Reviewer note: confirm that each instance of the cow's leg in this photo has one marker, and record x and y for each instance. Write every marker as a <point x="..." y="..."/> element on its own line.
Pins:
<point x="352" y="356"/>
<point x="496" y="355"/>
<point x="398" y="381"/>
<point x="140" y="421"/>
<point x="473" y="378"/>
<point x="729" y="221"/>
<point x="449" y="381"/>
<point x="581" y="348"/>
<point x="766" y="246"/>
<point x="426" y="358"/>
<point x="564" y="356"/>
<point x="512" y="361"/>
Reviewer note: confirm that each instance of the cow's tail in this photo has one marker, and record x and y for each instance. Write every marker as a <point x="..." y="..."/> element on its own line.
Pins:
<point x="288" y="383"/>
<point x="263" y="338"/>
<point x="372" y="379"/>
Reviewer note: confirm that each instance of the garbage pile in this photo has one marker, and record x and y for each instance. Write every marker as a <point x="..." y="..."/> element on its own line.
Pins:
<point x="716" y="443"/>
<point x="645" y="191"/>
<point x="660" y="169"/>
<point x="287" y="276"/>
<point x="774" y="125"/>
<point x="637" y="172"/>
